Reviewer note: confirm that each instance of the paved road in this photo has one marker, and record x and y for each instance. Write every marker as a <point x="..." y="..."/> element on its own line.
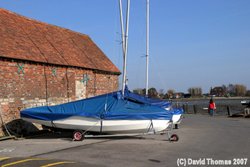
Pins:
<point x="201" y="136"/>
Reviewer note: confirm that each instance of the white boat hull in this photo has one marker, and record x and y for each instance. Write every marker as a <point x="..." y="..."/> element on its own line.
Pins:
<point x="176" y="118"/>
<point x="105" y="126"/>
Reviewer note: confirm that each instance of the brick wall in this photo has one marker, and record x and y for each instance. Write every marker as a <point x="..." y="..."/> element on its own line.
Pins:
<point x="25" y="84"/>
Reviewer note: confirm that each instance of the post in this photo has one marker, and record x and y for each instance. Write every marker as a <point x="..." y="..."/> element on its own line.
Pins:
<point x="246" y="112"/>
<point x="228" y="111"/>
<point x="195" y="109"/>
<point x="185" y="108"/>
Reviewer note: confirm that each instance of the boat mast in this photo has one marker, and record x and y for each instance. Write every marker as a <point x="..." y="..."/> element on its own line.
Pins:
<point x="147" y="45"/>
<point x="124" y="42"/>
<point x="122" y="28"/>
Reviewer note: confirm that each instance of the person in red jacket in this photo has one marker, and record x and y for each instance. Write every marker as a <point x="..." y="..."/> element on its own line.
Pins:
<point x="211" y="107"/>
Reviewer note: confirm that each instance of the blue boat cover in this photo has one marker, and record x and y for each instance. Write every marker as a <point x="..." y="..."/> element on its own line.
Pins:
<point x="146" y="100"/>
<point x="154" y="102"/>
<point x="111" y="106"/>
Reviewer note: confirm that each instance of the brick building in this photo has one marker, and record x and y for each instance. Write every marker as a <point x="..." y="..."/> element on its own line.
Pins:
<point x="43" y="64"/>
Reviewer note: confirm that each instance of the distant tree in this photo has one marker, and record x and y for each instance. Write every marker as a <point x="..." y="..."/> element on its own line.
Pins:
<point x="195" y="91"/>
<point x="166" y="96"/>
<point x="152" y="92"/>
<point x="211" y="89"/>
<point x="240" y="90"/>
<point x="231" y="90"/>
<point x="161" y="93"/>
<point x="236" y="90"/>
<point x="170" y="93"/>
<point x="138" y="91"/>
<point x="248" y="93"/>
<point x="224" y="87"/>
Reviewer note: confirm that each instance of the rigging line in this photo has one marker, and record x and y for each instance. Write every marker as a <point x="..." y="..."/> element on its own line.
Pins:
<point x="87" y="130"/>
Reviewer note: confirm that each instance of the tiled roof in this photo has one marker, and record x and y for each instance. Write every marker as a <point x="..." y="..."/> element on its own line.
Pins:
<point x="28" y="39"/>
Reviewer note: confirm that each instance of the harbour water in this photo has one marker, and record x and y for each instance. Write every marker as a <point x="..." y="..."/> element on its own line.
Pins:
<point x="222" y="105"/>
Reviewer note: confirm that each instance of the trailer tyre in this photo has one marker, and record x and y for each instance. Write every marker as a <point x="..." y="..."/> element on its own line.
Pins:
<point x="78" y="135"/>
<point x="174" y="137"/>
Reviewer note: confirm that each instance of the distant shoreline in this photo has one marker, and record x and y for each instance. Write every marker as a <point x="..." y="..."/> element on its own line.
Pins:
<point x="207" y="98"/>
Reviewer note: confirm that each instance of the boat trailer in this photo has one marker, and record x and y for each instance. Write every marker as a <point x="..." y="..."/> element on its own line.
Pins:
<point x="80" y="135"/>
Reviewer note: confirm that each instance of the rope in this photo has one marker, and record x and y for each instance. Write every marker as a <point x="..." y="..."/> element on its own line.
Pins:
<point x="90" y="128"/>
<point x="151" y="126"/>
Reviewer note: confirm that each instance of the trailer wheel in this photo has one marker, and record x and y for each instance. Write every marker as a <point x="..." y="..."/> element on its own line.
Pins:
<point x="78" y="135"/>
<point x="174" y="137"/>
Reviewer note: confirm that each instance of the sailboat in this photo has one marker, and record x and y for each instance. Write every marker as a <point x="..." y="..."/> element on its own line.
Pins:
<point x="112" y="113"/>
<point x="108" y="114"/>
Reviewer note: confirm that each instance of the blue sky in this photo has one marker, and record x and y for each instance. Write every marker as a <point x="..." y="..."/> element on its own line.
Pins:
<point x="193" y="43"/>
